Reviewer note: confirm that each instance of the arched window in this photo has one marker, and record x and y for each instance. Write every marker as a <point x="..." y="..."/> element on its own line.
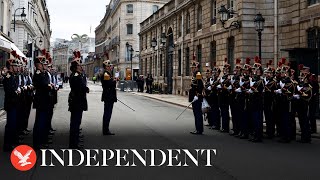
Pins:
<point x="188" y="23"/>
<point x="129" y="8"/>
<point x="313" y="35"/>
<point x="213" y="12"/>
<point x="199" y="18"/>
<point x="213" y="52"/>
<point x="230" y="47"/>
<point x="155" y="8"/>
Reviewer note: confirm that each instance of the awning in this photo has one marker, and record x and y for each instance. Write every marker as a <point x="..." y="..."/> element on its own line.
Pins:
<point x="5" y="44"/>
<point x="14" y="47"/>
<point x="8" y="46"/>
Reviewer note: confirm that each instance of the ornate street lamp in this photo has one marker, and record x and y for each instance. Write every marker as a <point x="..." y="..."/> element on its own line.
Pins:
<point x="153" y="43"/>
<point x="259" y="24"/>
<point x="163" y="38"/>
<point x="224" y="16"/>
<point x="22" y="15"/>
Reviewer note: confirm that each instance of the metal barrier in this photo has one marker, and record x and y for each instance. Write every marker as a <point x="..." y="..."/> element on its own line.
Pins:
<point x="1" y="98"/>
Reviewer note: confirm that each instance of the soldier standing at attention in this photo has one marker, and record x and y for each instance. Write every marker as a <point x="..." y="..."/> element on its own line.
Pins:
<point x="109" y="96"/>
<point x="196" y="97"/>
<point x="77" y="100"/>
<point x="10" y="86"/>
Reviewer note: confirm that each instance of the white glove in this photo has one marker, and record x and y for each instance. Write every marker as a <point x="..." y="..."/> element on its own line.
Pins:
<point x="195" y="99"/>
<point x="211" y="81"/>
<point x="299" y="88"/>
<point x="219" y="86"/>
<point x="209" y="88"/>
<point x="241" y="83"/>
<point x="221" y="80"/>
<point x="238" y="90"/>
<point x="296" y="96"/>
<point x="250" y="91"/>
<point x="251" y="83"/>
<point x="282" y="84"/>
<point x="230" y="87"/>
<point x="232" y="81"/>
<point x="279" y="91"/>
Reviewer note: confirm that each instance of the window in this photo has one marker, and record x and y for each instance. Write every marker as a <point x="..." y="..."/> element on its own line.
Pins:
<point x="213" y="12"/>
<point x="155" y="8"/>
<point x="180" y="26"/>
<point x="199" y="56"/>
<point x="146" y="43"/>
<point x="141" y="66"/>
<point x="313" y="37"/>
<point x="160" y="64"/>
<point x="231" y="7"/>
<point x="187" y="61"/>
<point x="129" y="8"/>
<point x="179" y="62"/>
<point x="188" y="23"/>
<point x="312" y="2"/>
<point x="213" y="53"/>
<point x="199" y="18"/>
<point x="155" y="66"/>
<point x="230" y="48"/>
<point x="150" y="66"/>
<point x="142" y="42"/>
<point x="129" y="28"/>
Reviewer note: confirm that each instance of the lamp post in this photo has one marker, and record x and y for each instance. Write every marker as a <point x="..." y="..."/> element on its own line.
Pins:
<point x="259" y="24"/>
<point x="224" y="16"/>
<point x="22" y="15"/>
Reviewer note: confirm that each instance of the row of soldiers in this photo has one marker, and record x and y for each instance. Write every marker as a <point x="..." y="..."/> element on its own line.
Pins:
<point x="22" y="89"/>
<point x="254" y="94"/>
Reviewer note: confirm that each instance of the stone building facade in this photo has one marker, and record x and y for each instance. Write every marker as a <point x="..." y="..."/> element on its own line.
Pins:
<point x="187" y="30"/>
<point x="120" y="26"/>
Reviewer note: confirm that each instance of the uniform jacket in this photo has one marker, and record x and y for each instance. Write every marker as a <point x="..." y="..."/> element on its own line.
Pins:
<point x="109" y="94"/>
<point x="41" y="85"/>
<point x="10" y="86"/>
<point x="78" y="96"/>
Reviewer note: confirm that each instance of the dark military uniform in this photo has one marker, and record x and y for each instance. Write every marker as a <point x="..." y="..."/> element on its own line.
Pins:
<point x="28" y="99"/>
<point x="197" y="87"/>
<point x="109" y="97"/>
<point x="268" y="96"/>
<point x="77" y="104"/>
<point x="40" y="103"/>
<point x="10" y="86"/>
<point x="313" y="102"/>
<point x="21" y="119"/>
<point x="223" y="95"/>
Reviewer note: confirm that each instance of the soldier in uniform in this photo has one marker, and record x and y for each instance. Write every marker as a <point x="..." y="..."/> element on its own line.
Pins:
<point x="53" y="93"/>
<point x="22" y="103"/>
<point x="256" y="101"/>
<point x="10" y="86"/>
<point x="109" y="96"/>
<point x="28" y="88"/>
<point x="285" y="91"/>
<point x="233" y="99"/>
<point x="42" y="87"/>
<point x="196" y="97"/>
<point x="223" y="94"/>
<point x="208" y="96"/>
<point x="216" y="125"/>
<point x="313" y="101"/>
<point x="303" y="95"/>
<point x="268" y="96"/>
<point x="77" y="100"/>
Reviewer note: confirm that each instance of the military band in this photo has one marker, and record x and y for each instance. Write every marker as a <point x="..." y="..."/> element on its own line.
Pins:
<point x="252" y="95"/>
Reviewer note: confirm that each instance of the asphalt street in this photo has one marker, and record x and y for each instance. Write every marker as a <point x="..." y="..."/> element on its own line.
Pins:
<point x="154" y="126"/>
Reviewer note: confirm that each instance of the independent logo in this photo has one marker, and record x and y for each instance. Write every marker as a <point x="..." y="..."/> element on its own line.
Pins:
<point x="23" y="158"/>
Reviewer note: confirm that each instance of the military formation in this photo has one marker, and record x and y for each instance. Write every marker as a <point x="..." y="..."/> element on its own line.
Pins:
<point x="252" y="95"/>
<point x="24" y="90"/>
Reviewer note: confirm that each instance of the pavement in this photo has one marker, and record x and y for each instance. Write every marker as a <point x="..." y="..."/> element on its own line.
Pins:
<point x="154" y="125"/>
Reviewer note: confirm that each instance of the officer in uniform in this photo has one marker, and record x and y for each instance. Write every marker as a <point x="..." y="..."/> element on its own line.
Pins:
<point x="109" y="96"/>
<point x="42" y="87"/>
<point x="10" y="86"/>
<point x="216" y="125"/>
<point x="256" y="101"/>
<point x="28" y="88"/>
<point x="208" y="94"/>
<point x="77" y="100"/>
<point x="196" y="97"/>
<point x="53" y="93"/>
<point x="223" y="94"/>
<point x="233" y="99"/>
<point x="268" y="96"/>
<point x="313" y="101"/>
<point x="22" y="101"/>
<point x="303" y="95"/>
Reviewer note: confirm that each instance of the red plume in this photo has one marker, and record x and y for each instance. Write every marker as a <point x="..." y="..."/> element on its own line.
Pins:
<point x="14" y="53"/>
<point x="75" y="53"/>
<point x="270" y="62"/>
<point x="283" y="60"/>
<point x="18" y="57"/>
<point x="248" y="60"/>
<point x="47" y="55"/>
<point x="43" y="51"/>
<point x="300" y="67"/>
<point x="50" y="60"/>
<point x="78" y="54"/>
<point x="256" y="59"/>
<point x="225" y="60"/>
<point x="289" y="64"/>
<point x="214" y="64"/>
<point x="279" y="64"/>
<point x="238" y="61"/>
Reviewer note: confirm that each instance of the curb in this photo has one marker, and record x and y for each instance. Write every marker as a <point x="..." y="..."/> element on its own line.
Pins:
<point x="315" y="136"/>
<point x="162" y="100"/>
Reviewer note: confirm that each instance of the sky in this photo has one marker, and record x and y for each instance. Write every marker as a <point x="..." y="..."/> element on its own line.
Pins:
<point x="75" y="17"/>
